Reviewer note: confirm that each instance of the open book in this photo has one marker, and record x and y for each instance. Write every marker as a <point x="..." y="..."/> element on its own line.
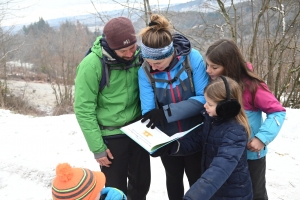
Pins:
<point x="151" y="139"/>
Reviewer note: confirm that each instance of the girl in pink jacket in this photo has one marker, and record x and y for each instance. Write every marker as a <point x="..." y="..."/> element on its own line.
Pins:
<point x="224" y="58"/>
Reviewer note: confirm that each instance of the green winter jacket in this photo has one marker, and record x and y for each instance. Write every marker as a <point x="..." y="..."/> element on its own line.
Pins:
<point x="115" y="105"/>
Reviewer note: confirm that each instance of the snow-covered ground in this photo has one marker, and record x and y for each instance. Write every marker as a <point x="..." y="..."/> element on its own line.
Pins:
<point x="31" y="147"/>
<point x="39" y="95"/>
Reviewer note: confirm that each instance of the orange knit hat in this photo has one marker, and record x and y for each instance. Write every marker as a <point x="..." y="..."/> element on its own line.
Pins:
<point x="76" y="183"/>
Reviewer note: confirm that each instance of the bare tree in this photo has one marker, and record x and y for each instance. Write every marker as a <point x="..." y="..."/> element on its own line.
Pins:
<point x="266" y="32"/>
<point x="72" y="42"/>
<point x="271" y="44"/>
<point x="7" y="47"/>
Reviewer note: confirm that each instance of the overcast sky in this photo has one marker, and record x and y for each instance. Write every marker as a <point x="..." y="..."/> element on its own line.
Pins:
<point x="30" y="10"/>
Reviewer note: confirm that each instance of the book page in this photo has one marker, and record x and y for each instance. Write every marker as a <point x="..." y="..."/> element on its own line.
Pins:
<point x="149" y="138"/>
<point x="144" y="136"/>
<point x="174" y="137"/>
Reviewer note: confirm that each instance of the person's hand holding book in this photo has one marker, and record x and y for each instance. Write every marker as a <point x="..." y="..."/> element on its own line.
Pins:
<point x="154" y="116"/>
<point x="167" y="150"/>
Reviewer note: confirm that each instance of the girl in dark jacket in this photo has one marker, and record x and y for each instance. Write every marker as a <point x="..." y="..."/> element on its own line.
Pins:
<point x="223" y="142"/>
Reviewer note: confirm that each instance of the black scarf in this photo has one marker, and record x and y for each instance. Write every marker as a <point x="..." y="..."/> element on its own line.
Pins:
<point x="113" y="54"/>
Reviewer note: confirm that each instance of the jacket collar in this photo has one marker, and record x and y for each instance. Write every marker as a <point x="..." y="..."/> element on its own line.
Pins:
<point x="112" y="56"/>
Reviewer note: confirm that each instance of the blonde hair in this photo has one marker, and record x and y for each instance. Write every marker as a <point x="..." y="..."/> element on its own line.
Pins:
<point x="159" y="34"/>
<point x="216" y="91"/>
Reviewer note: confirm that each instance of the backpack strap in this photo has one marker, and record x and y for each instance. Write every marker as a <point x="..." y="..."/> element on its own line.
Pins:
<point x="111" y="128"/>
<point x="176" y="77"/>
<point x="187" y="66"/>
<point x="107" y="67"/>
<point x="105" y="75"/>
<point x="88" y="52"/>
<point x="146" y="68"/>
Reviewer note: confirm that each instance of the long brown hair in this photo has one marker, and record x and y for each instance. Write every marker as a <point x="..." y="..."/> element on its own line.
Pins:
<point x="225" y="52"/>
<point x="216" y="91"/>
<point x="158" y="34"/>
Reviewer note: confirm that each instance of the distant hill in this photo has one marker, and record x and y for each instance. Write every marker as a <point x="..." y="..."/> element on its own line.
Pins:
<point x="188" y="12"/>
<point x="91" y="20"/>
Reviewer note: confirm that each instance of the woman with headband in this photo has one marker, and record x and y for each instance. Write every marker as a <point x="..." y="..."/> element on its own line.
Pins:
<point x="172" y="81"/>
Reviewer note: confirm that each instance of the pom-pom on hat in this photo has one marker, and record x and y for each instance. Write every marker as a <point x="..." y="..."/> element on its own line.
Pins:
<point x="119" y="33"/>
<point x="76" y="183"/>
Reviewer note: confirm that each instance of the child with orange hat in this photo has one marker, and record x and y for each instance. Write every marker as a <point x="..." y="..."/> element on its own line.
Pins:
<point x="80" y="183"/>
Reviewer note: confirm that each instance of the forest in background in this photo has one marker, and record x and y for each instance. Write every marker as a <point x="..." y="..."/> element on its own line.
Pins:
<point x="266" y="32"/>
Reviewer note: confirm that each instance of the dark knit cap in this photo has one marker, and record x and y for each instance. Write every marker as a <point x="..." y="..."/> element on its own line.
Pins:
<point x="119" y="33"/>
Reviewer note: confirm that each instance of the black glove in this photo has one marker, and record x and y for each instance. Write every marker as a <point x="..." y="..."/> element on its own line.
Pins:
<point x="155" y="116"/>
<point x="166" y="150"/>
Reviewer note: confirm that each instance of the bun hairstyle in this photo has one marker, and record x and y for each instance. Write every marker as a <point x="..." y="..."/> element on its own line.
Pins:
<point x="228" y="96"/>
<point x="159" y="32"/>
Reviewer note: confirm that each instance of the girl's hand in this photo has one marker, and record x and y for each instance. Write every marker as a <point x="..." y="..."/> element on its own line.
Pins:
<point x="255" y="145"/>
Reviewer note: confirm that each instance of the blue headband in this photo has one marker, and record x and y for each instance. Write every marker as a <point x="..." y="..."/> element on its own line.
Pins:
<point x="157" y="53"/>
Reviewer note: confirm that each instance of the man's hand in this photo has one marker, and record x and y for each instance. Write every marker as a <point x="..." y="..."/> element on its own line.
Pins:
<point x="104" y="160"/>
<point x="255" y="145"/>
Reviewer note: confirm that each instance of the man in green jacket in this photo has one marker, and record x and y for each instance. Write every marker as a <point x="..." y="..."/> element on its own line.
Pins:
<point x="101" y="112"/>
